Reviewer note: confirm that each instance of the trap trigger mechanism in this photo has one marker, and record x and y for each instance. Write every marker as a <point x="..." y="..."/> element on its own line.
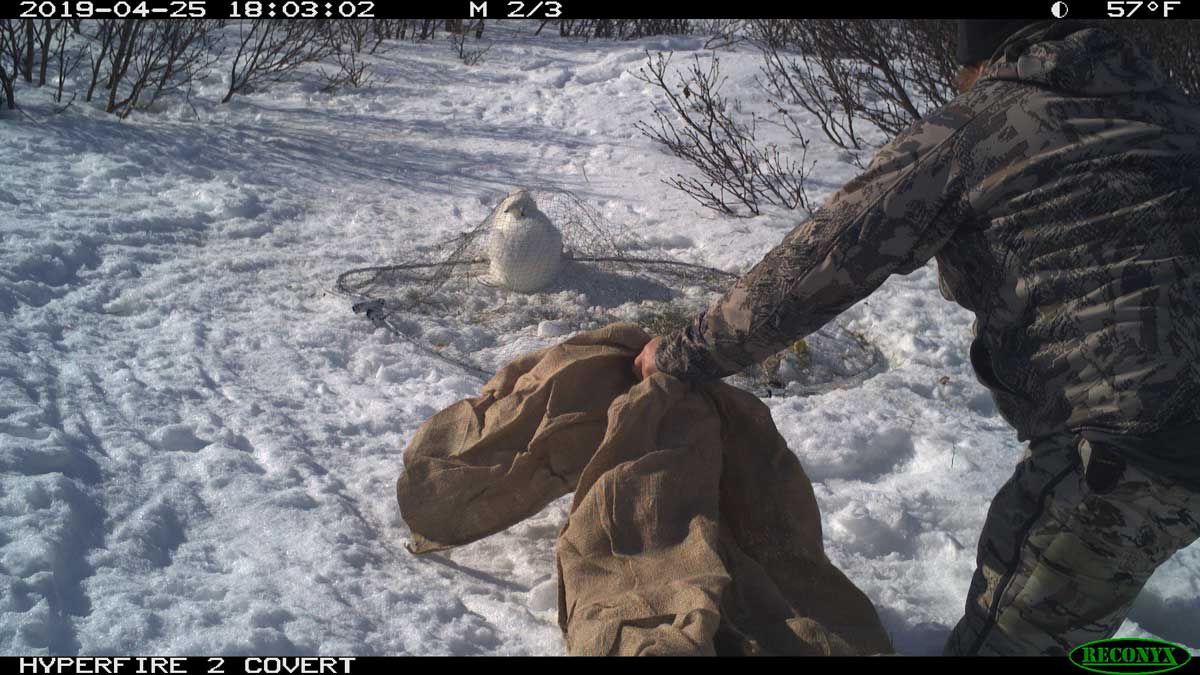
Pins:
<point x="372" y="308"/>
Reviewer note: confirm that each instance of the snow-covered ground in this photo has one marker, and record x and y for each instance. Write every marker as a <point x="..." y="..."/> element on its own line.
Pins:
<point x="199" y="443"/>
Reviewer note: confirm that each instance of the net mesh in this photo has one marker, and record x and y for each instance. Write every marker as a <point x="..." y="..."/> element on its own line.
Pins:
<point x="446" y="302"/>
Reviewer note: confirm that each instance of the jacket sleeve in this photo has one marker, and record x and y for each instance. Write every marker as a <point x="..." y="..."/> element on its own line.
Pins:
<point x="891" y="219"/>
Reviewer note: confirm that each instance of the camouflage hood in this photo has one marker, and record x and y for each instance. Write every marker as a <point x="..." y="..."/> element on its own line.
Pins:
<point x="1076" y="58"/>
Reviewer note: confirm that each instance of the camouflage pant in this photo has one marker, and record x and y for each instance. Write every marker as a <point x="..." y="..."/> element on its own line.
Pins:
<point x="1065" y="550"/>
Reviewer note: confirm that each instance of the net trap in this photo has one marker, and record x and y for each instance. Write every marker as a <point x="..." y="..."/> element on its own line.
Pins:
<point x="544" y="264"/>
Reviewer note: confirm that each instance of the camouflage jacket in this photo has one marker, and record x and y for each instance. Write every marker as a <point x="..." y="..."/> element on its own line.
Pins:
<point x="1060" y="196"/>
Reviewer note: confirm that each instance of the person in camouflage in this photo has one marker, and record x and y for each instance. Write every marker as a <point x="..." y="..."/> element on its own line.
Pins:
<point x="1060" y="195"/>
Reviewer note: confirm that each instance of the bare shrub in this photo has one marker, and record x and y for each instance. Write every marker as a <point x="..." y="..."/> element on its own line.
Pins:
<point x="100" y="46"/>
<point x="186" y="49"/>
<point x="428" y="28"/>
<point x="6" y="84"/>
<point x="350" y="34"/>
<point x="573" y="27"/>
<point x="406" y="29"/>
<point x="147" y="58"/>
<point x="887" y="74"/>
<point x="620" y="29"/>
<point x="386" y="29"/>
<point x="632" y="29"/>
<point x="68" y="58"/>
<point x="12" y="46"/>
<point x="725" y="33"/>
<point x="350" y="39"/>
<point x="43" y="38"/>
<point x="351" y="72"/>
<point x="32" y="46"/>
<point x="269" y="50"/>
<point x="28" y="27"/>
<point x="6" y="79"/>
<point x="128" y="33"/>
<point x="458" y="40"/>
<point x="738" y="174"/>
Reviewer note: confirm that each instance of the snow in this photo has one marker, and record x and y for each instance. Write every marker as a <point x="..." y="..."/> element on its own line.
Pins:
<point x="199" y="443"/>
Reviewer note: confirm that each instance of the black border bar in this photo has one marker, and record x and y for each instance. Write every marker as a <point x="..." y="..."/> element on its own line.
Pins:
<point x="603" y="9"/>
<point x="350" y="665"/>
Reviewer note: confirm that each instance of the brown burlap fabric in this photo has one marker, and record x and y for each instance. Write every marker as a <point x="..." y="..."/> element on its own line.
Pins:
<point x="693" y="529"/>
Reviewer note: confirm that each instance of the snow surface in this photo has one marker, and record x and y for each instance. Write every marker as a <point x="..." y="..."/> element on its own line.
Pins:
<point x="199" y="443"/>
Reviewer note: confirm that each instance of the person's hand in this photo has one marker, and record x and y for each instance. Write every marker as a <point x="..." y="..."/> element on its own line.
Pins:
<point x="644" y="365"/>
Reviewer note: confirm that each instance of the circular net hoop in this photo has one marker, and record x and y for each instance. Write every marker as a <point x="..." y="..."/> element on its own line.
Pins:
<point x="446" y="303"/>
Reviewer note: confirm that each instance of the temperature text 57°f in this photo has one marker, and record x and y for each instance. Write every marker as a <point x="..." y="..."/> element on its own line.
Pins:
<point x="545" y="9"/>
<point x="1123" y="9"/>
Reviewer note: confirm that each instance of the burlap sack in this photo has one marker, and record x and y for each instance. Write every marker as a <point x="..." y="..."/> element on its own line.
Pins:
<point x="693" y="528"/>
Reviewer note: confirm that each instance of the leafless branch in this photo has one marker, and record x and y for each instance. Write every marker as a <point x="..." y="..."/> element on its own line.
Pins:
<point x="851" y="73"/>
<point x="738" y="173"/>
<point x="269" y="50"/>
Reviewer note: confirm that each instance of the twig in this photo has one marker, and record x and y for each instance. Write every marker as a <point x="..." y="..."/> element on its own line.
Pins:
<point x="187" y="98"/>
<point x="28" y="116"/>
<point x="59" y="111"/>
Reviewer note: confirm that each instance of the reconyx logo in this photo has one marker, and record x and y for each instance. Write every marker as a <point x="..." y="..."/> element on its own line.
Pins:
<point x="1122" y="656"/>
